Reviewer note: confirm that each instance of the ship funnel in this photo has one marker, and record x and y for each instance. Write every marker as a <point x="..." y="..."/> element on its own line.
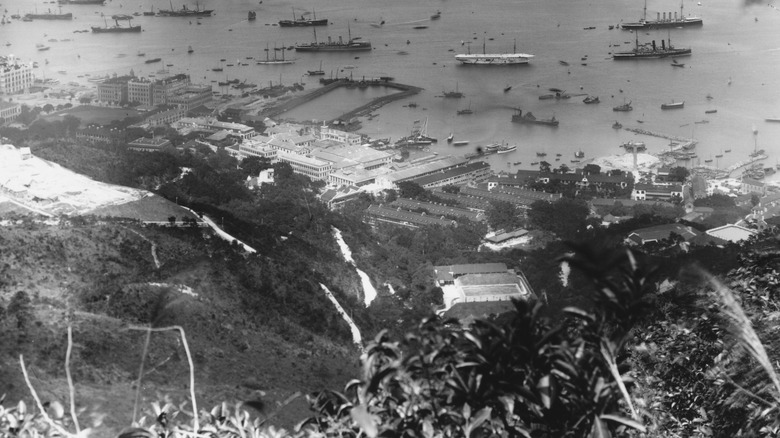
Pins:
<point x="664" y="16"/>
<point x="328" y="40"/>
<point x="663" y="45"/>
<point x="675" y="16"/>
<point x="340" y="41"/>
<point x="654" y="44"/>
<point x="658" y="16"/>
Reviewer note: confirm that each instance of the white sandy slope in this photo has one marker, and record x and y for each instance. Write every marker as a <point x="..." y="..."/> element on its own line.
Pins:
<point x="625" y="162"/>
<point x="58" y="190"/>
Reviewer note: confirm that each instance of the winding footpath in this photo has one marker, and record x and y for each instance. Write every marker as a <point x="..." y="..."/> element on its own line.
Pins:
<point x="369" y="292"/>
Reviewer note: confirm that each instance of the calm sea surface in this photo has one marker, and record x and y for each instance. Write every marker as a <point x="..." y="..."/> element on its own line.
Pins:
<point x="736" y="60"/>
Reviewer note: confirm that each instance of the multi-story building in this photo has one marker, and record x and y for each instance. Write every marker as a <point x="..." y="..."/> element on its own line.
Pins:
<point x="144" y="144"/>
<point x="113" y="90"/>
<point x="97" y="134"/>
<point x="340" y="136"/>
<point x="15" y="77"/>
<point x="140" y="90"/>
<point x="252" y="148"/>
<point x="9" y="111"/>
<point x="666" y="192"/>
<point x="309" y="166"/>
<point x="164" y="89"/>
<point x="191" y="97"/>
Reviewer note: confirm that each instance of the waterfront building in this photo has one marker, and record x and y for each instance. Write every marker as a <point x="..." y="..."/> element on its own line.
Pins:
<point x="749" y="185"/>
<point x="113" y="90"/>
<point x="164" y="89"/>
<point x="346" y="156"/>
<point x="9" y="111"/>
<point x="144" y="144"/>
<point x="139" y="90"/>
<point x="340" y="136"/>
<point x="15" y="77"/>
<point x="355" y="176"/>
<point x="417" y="171"/>
<point x="468" y="173"/>
<point x="191" y="96"/>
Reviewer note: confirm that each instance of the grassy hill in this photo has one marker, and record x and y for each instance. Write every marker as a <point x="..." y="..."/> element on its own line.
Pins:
<point x="254" y="330"/>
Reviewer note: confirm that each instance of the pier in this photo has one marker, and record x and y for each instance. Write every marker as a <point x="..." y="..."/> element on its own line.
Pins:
<point x="405" y="91"/>
<point x="689" y="141"/>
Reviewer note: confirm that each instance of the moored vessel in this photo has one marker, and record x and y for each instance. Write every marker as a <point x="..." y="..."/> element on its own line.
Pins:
<point x="663" y="20"/>
<point x="494" y="58"/>
<point x="624" y="107"/>
<point x="351" y="45"/>
<point x="303" y="21"/>
<point x="591" y="99"/>
<point x="529" y="118"/>
<point x="651" y="51"/>
<point x="673" y="105"/>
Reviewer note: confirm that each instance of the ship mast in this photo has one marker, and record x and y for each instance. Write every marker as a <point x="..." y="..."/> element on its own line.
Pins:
<point x="644" y="13"/>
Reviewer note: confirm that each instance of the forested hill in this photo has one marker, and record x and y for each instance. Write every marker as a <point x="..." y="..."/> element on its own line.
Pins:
<point x="254" y="324"/>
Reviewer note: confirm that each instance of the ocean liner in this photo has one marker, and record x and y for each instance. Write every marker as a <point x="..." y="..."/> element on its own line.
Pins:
<point x="650" y="51"/>
<point x="48" y="16"/>
<point x="494" y="58"/>
<point x="184" y="12"/>
<point x="117" y="28"/>
<point x="82" y="2"/>
<point x="667" y="20"/>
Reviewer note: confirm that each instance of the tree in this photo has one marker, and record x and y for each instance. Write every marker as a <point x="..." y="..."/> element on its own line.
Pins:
<point x="48" y="108"/>
<point x="591" y="169"/>
<point x="21" y="309"/>
<point x="520" y="376"/>
<point x="563" y="168"/>
<point x="451" y="189"/>
<point x="412" y="190"/>
<point x="754" y="199"/>
<point x="503" y="215"/>
<point x="715" y="200"/>
<point x="564" y="217"/>
<point x="679" y="174"/>
<point x="544" y="167"/>
<point x="251" y="166"/>
<point x="172" y="220"/>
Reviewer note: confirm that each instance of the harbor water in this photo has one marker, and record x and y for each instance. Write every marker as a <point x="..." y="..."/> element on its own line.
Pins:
<point x="736" y="55"/>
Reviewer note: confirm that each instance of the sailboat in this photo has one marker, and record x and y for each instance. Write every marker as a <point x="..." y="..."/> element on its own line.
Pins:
<point x="452" y="94"/>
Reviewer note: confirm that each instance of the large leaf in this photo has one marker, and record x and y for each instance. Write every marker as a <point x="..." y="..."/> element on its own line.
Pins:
<point x="599" y="429"/>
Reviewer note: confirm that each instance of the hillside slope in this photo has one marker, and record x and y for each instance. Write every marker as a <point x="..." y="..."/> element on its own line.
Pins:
<point x="251" y="325"/>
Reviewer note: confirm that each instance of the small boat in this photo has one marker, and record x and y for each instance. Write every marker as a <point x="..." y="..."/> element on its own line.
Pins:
<point x="189" y="49"/>
<point x="517" y="163"/>
<point x="617" y="125"/>
<point x="534" y="163"/>
<point x="631" y="146"/>
<point x="727" y="151"/>
<point x="672" y="105"/>
<point x="465" y="112"/>
<point x="319" y="72"/>
<point x="579" y="154"/>
<point x="504" y="149"/>
<point x="449" y="138"/>
<point x="546" y="96"/>
<point x="541" y="154"/>
<point x="591" y="99"/>
<point x="251" y="15"/>
<point x="624" y="107"/>
<point x="563" y="62"/>
<point x="153" y="60"/>
<point x="709" y="160"/>
<point x="676" y="64"/>
<point x="420" y="27"/>
<point x="772" y="119"/>
<point x="575" y="161"/>
<point x="507" y="88"/>
<point x="710" y="111"/>
<point x="460" y="143"/>
<point x="589" y="28"/>
<point x="436" y="16"/>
